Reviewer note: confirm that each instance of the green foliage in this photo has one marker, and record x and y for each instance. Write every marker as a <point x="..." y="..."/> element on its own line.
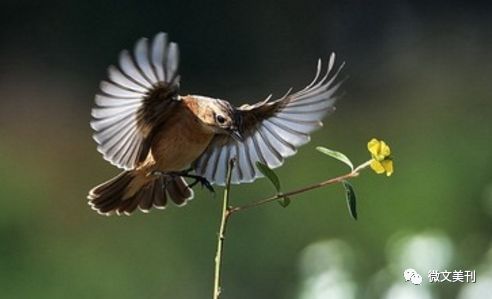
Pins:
<point x="336" y="155"/>
<point x="269" y="174"/>
<point x="351" y="199"/>
<point x="272" y="176"/>
<point x="284" y="202"/>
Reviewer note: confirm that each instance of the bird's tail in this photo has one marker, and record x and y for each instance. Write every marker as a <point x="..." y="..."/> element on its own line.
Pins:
<point x="131" y="189"/>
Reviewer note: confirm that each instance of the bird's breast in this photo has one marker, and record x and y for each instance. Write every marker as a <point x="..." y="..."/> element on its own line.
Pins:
<point x="180" y="142"/>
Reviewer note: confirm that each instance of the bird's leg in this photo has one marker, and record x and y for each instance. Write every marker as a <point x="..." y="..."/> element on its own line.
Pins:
<point x="186" y="174"/>
<point x="199" y="179"/>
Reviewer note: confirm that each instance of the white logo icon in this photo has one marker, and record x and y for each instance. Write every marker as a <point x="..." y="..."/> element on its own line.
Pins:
<point x="412" y="276"/>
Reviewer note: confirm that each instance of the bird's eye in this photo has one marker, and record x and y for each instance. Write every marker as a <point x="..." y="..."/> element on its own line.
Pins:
<point x="220" y="119"/>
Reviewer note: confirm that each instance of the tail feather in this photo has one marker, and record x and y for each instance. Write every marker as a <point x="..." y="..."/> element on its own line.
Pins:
<point x="127" y="206"/>
<point x="114" y="195"/>
<point x="160" y="197"/>
<point x="178" y="191"/>
<point x="145" y="197"/>
<point x="114" y="185"/>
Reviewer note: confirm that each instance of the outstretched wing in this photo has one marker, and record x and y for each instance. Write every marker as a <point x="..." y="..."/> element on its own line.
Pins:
<point x="272" y="130"/>
<point x="137" y="95"/>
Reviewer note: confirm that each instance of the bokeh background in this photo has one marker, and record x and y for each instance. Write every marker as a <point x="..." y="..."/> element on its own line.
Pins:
<point x="419" y="77"/>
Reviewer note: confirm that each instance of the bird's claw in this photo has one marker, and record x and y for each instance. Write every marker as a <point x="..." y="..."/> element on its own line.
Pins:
<point x="203" y="182"/>
<point x="198" y="179"/>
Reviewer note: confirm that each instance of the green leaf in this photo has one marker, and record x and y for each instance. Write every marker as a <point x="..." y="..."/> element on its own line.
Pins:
<point x="351" y="199"/>
<point x="284" y="201"/>
<point x="269" y="174"/>
<point x="337" y="155"/>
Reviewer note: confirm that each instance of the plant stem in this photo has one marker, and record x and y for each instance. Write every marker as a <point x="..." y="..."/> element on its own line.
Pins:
<point x="338" y="179"/>
<point x="227" y="212"/>
<point x="222" y="230"/>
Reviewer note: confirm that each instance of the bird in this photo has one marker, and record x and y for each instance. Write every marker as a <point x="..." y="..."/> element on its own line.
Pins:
<point x="159" y="138"/>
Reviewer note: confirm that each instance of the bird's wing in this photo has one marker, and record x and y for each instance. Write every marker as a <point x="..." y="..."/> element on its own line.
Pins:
<point x="139" y="93"/>
<point x="272" y="130"/>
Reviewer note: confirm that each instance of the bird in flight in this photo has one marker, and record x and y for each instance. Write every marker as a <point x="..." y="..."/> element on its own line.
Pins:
<point x="159" y="137"/>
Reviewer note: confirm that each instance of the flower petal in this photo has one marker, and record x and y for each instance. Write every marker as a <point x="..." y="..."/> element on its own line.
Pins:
<point x="373" y="147"/>
<point x="388" y="166"/>
<point x="385" y="149"/>
<point x="377" y="166"/>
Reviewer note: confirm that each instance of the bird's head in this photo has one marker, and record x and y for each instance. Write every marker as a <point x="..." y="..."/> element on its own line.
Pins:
<point x="220" y="117"/>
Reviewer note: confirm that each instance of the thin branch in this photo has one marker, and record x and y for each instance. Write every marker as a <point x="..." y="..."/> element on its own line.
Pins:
<point x="338" y="179"/>
<point x="222" y="230"/>
<point x="227" y="212"/>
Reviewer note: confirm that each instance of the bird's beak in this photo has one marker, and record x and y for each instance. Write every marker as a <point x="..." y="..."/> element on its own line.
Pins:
<point x="234" y="132"/>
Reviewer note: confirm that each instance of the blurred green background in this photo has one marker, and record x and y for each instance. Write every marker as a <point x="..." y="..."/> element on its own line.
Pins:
<point x="419" y="78"/>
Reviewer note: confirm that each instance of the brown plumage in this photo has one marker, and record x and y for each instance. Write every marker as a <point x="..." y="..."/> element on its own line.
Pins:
<point x="157" y="137"/>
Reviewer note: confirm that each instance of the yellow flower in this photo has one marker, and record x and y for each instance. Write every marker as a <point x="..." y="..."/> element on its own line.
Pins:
<point x="381" y="159"/>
